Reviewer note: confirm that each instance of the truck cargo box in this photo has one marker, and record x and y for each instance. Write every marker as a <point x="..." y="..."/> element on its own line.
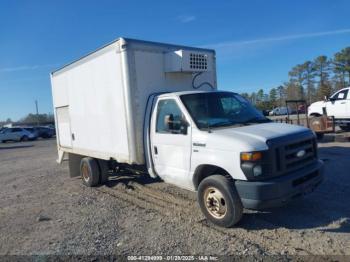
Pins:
<point x="100" y="100"/>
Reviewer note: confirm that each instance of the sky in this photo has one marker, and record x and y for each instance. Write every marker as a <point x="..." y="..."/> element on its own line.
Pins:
<point x="257" y="41"/>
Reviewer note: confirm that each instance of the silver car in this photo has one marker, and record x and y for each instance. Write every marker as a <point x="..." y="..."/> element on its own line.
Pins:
<point x="16" y="134"/>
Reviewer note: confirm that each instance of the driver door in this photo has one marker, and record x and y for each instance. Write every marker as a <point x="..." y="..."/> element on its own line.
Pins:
<point x="171" y="143"/>
<point x="337" y="106"/>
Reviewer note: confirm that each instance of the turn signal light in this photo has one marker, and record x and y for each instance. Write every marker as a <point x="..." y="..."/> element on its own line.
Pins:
<point x="251" y="156"/>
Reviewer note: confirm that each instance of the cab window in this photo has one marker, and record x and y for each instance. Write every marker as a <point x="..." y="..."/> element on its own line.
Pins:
<point x="169" y="117"/>
<point x="341" y="95"/>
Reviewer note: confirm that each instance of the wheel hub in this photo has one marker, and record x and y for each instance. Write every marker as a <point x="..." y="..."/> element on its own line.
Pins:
<point x="215" y="202"/>
<point x="85" y="172"/>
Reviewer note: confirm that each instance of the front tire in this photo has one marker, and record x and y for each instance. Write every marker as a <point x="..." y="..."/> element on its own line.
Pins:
<point x="89" y="171"/>
<point x="219" y="201"/>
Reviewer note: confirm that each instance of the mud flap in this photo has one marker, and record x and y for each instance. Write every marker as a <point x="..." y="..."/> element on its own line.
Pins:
<point x="74" y="164"/>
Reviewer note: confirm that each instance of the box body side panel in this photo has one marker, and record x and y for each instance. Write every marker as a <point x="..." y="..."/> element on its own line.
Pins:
<point x="93" y="91"/>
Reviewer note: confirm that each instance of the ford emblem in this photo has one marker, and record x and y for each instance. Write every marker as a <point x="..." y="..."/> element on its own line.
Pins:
<point x="301" y="153"/>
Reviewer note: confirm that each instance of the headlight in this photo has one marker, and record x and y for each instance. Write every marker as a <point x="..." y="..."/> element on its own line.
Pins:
<point x="253" y="164"/>
<point x="257" y="170"/>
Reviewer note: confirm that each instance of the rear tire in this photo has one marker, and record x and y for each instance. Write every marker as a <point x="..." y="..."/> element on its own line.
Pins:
<point x="104" y="169"/>
<point x="219" y="201"/>
<point x="89" y="171"/>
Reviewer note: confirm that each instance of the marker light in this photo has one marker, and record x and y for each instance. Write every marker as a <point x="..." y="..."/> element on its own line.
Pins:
<point x="251" y="156"/>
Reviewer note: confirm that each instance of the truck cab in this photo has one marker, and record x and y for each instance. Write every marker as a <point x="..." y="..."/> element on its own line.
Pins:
<point x="218" y="144"/>
<point x="337" y="106"/>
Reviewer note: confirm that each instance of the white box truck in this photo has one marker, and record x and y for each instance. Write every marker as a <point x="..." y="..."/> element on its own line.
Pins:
<point x="156" y="107"/>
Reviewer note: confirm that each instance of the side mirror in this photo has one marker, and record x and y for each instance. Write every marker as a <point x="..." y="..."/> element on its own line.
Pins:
<point x="183" y="127"/>
<point x="169" y="121"/>
<point x="175" y="127"/>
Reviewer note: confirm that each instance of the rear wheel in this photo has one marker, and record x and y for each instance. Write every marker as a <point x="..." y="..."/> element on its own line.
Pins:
<point x="219" y="201"/>
<point x="89" y="171"/>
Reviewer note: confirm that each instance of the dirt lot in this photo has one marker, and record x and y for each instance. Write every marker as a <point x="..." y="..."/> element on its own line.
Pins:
<point x="43" y="211"/>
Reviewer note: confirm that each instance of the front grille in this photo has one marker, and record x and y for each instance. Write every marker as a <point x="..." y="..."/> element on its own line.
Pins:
<point x="291" y="151"/>
<point x="292" y="154"/>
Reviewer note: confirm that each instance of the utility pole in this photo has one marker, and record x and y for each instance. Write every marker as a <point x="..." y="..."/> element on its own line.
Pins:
<point x="37" y="112"/>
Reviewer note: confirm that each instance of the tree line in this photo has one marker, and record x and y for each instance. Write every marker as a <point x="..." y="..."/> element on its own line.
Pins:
<point x="32" y="119"/>
<point x="310" y="81"/>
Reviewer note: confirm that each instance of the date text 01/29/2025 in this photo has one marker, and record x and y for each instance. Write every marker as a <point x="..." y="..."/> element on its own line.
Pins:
<point x="172" y="258"/>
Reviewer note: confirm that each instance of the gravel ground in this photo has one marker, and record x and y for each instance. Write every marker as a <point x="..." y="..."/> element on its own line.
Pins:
<point x="44" y="211"/>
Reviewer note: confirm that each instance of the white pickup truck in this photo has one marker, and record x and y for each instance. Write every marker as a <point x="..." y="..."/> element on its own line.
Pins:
<point x="338" y="106"/>
<point x="135" y="103"/>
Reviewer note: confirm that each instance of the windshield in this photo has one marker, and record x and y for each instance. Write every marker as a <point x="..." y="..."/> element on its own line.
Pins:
<point x="219" y="109"/>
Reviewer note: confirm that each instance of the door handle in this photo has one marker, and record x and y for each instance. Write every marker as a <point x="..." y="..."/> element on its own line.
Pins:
<point x="342" y="102"/>
<point x="155" y="150"/>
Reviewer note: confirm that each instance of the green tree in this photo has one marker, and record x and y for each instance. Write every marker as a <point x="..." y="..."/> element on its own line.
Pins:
<point x="322" y="70"/>
<point x="341" y="62"/>
<point x="273" y="96"/>
<point x="260" y="95"/>
<point x="297" y="79"/>
<point x="253" y="99"/>
<point x="309" y="80"/>
<point x="41" y="118"/>
<point x="245" y="95"/>
<point x="281" y="92"/>
<point x="292" y="90"/>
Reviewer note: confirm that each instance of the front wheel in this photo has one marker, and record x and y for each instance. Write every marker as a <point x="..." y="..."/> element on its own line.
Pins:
<point x="219" y="201"/>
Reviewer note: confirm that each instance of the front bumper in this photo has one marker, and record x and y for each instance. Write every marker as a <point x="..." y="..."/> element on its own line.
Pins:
<point x="280" y="190"/>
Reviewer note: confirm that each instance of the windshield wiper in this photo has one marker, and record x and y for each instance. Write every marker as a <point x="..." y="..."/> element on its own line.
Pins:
<point x="257" y="119"/>
<point x="226" y="123"/>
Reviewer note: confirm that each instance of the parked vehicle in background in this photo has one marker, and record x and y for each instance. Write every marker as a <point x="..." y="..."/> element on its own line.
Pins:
<point x="32" y="130"/>
<point x="45" y="132"/>
<point x="16" y="134"/>
<point x="265" y="112"/>
<point x="2" y="129"/>
<point x="337" y="106"/>
<point x="279" y="111"/>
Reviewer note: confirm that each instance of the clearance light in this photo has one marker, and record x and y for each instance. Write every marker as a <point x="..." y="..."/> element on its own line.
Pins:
<point x="251" y="156"/>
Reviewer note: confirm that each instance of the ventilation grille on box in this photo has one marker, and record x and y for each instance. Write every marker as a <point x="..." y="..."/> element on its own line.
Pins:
<point x="198" y="61"/>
